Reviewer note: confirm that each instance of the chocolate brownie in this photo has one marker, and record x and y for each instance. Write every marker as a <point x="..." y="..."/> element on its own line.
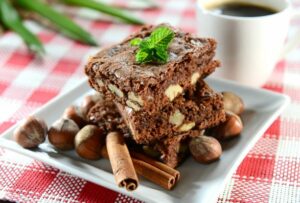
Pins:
<point x="106" y="116"/>
<point x="150" y="87"/>
<point x="198" y="109"/>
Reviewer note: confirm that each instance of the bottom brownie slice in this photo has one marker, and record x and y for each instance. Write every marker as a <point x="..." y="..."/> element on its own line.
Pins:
<point x="171" y="151"/>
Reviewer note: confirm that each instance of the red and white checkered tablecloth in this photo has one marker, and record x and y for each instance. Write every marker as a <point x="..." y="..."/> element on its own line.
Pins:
<point x="269" y="173"/>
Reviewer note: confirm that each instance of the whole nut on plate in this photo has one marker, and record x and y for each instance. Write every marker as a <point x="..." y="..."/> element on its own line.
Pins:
<point x="233" y="103"/>
<point x="74" y="113"/>
<point x="31" y="132"/>
<point x="62" y="133"/>
<point x="231" y="128"/>
<point x="89" y="101"/>
<point x="89" y="141"/>
<point x="205" y="149"/>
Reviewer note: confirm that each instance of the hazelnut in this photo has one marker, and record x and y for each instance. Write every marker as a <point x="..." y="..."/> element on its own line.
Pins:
<point x="186" y="127"/>
<point x="31" y="132"/>
<point x="99" y="82"/>
<point x="133" y="105"/>
<point x="233" y="103"/>
<point x="62" y="133"/>
<point x="134" y="101"/>
<point x="232" y="127"/>
<point x="89" y="141"/>
<point x="74" y="113"/>
<point x="205" y="149"/>
<point x="173" y="91"/>
<point x="176" y="118"/>
<point x="116" y="90"/>
<point x="88" y="102"/>
<point x="195" y="78"/>
<point x="133" y="97"/>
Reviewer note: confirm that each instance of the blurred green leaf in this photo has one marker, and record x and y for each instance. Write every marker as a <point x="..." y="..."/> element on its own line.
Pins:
<point x="63" y="23"/>
<point x="104" y="8"/>
<point x="10" y="19"/>
<point x="135" y="42"/>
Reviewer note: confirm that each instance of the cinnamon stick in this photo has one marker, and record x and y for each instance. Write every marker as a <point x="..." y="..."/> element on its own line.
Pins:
<point x="121" y="162"/>
<point x="154" y="174"/>
<point x="157" y="164"/>
<point x="151" y="172"/>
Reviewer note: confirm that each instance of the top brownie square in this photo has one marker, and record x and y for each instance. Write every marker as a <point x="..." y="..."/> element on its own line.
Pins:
<point x="149" y="87"/>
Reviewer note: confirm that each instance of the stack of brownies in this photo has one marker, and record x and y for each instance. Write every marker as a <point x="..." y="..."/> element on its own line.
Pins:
<point x="161" y="105"/>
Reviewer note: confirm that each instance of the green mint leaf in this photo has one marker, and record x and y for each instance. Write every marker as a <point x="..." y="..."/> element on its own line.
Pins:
<point x="161" y="37"/>
<point x="142" y="57"/>
<point x="145" y="44"/>
<point x="135" y="42"/>
<point x="155" y="47"/>
<point x="162" y="54"/>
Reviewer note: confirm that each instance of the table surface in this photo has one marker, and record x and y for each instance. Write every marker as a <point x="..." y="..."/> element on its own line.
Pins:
<point x="269" y="173"/>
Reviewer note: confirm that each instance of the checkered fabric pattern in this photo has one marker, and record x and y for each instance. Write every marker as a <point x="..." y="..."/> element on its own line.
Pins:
<point x="269" y="173"/>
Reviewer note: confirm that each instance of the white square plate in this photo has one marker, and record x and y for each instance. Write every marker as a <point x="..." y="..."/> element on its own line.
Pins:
<point x="199" y="183"/>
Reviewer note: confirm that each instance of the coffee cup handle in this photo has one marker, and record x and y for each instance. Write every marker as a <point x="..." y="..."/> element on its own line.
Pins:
<point x="295" y="40"/>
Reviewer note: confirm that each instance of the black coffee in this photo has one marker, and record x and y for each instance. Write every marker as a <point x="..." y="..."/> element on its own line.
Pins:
<point x="241" y="9"/>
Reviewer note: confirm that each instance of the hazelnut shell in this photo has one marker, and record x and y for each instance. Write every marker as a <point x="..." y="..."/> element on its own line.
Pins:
<point x="233" y="103"/>
<point x="232" y="127"/>
<point x="62" y="133"/>
<point x="205" y="149"/>
<point x="31" y="132"/>
<point x="89" y="141"/>
<point x="74" y="113"/>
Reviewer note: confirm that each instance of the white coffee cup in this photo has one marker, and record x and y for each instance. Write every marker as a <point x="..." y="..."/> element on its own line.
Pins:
<point x="248" y="47"/>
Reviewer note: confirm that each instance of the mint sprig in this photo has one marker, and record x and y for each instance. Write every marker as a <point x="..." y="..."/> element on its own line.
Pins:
<point x="155" y="47"/>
